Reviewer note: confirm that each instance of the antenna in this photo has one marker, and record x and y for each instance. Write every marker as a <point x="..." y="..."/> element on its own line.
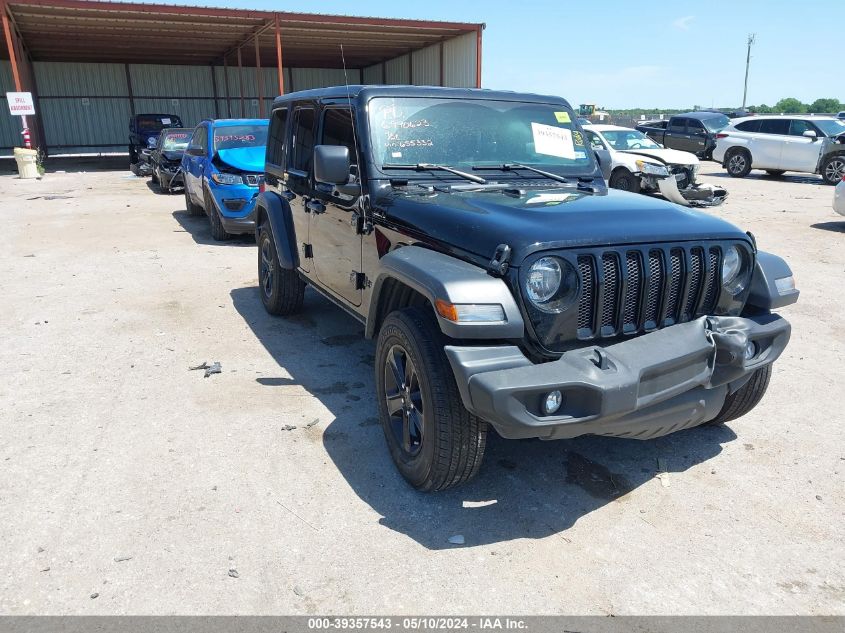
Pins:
<point x="351" y="115"/>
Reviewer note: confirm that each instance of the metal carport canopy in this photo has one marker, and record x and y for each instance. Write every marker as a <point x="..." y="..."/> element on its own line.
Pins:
<point x="90" y="31"/>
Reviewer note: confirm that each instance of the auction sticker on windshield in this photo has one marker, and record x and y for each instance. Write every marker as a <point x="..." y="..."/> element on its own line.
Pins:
<point x="563" y="117"/>
<point x="553" y="141"/>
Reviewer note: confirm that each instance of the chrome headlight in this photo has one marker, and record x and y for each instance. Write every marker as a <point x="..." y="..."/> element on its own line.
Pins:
<point x="551" y="284"/>
<point x="222" y="178"/>
<point x="735" y="270"/>
<point x="652" y="169"/>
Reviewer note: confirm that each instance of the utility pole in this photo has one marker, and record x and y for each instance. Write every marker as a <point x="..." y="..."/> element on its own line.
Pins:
<point x="751" y="37"/>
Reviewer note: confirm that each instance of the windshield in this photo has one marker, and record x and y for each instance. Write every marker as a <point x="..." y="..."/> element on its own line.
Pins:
<point x="234" y="136"/>
<point x="156" y="122"/>
<point x="477" y="132"/>
<point x="628" y="139"/>
<point x="830" y="127"/>
<point x="716" y="123"/>
<point x="175" y="141"/>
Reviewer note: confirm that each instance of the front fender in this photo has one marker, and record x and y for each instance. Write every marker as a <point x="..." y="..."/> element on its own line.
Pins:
<point x="271" y="208"/>
<point x="772" y="284"/>
<point x="438" y="276"/>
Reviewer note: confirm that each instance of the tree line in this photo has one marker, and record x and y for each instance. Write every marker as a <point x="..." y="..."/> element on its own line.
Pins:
<point x="788" y="105"/>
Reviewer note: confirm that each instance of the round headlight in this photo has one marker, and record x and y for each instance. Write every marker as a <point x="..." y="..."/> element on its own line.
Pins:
<point x="733" y="277"/>
<point x="551" y="284"/>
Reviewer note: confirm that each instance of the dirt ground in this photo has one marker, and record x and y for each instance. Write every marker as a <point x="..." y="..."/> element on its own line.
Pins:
<point x="127" y="477"/>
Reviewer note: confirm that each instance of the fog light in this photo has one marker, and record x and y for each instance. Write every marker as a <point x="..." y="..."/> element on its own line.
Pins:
<point x="750" y="350"/>
<point x="552" y="402"/>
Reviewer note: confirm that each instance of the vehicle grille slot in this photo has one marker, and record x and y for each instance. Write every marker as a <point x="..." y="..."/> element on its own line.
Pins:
<point x="655" y="289"/>
<point x="610" y="294"/>
<point x="632" y="293"/>
<point x="711" y="289"/>
<point x="585" y="303"/>
<point x="696" y="264"/>
<point x="676" y="259"/>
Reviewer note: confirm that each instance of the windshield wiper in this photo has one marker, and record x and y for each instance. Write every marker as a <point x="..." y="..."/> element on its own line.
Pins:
<point x="517" y="166"/>
<point x="433" y="167"/>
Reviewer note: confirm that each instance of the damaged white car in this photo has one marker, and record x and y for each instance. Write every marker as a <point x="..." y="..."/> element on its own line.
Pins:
<point x="640" y="165"/>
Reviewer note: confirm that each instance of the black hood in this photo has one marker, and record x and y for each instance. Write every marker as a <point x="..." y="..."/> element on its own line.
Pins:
<point x="477" y="222"/>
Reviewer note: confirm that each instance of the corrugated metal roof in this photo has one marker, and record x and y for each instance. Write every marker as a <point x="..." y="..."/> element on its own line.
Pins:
<point x="95" y="31"/>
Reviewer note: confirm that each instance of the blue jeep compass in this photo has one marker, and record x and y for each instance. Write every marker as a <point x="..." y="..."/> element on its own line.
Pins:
<point x="223" y="168"/>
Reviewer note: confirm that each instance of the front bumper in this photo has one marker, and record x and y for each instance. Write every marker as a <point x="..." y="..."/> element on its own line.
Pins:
<point x="644" y="387"/>
<point x="694" y="195"/>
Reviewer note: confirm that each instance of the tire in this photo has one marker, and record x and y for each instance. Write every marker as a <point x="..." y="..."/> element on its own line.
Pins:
<point x="282" y="290"/>
<point x="624" y="180"/>
<point x="217" y="231"/>
<point x="433" y="440"/>
<point x="775" y="173"/>
<point x="746" y="397"/>
<point x="193" y="209"/>
<point x="738" y="163"/>
<point x="833" y="169"/>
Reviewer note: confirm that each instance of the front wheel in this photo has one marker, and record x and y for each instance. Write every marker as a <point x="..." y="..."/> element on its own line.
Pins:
<point x="433" y="440"/>
<point x="746" y="397"/>
<point x="833" y="169"/>
<point x="282" y="290"/>
<point x="218" y="232"/>
<point x="623" y="179"/>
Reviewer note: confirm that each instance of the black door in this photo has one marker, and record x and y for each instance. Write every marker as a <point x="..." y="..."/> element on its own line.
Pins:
<point x="298" y="181"/>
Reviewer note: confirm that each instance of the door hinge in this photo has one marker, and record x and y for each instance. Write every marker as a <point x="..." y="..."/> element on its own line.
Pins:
<point x="307" y="251"/>
<point x="360" y="280"/>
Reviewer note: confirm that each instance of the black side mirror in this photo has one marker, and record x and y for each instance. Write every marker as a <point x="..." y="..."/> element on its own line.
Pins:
<point x="331" y="164"/>
<point x="604" y="161"/>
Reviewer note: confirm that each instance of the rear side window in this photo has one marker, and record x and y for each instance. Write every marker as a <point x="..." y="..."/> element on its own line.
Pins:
<point x="303" y="140"/>
<point x="748" y="126"/>
<point x="595" y="141"/>
<point x="677" y="125"/>
<point x="337" y="129"/>
<point x="774" y="126"/>
<point x="276" y="148"/>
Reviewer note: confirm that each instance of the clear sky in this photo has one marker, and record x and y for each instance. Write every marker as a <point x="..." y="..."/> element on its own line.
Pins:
<point x="634" y="54"/>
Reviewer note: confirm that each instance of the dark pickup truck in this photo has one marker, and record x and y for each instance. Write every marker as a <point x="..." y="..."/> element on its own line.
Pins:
<point x="691" y="132"/>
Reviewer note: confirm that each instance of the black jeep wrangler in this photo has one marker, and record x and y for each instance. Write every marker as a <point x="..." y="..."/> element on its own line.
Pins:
<point x="472" y="233"/>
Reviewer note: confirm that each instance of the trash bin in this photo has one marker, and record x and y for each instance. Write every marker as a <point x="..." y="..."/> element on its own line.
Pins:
<point x="27" y="160"/>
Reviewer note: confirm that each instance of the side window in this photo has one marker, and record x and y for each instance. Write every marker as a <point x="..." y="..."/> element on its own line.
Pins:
<point x="774" y="126"/>
<point x="797" y="127"/>
<point x="198" y="140"/>
<point x="749" y="126"/>
<point x="595" y="141"/>
<point x="303" y="140"/>
<point x="694" y="127"/>
<point x="677" y="125"/>
<point x="276" y="148"/>
<point x="338" y="130"/>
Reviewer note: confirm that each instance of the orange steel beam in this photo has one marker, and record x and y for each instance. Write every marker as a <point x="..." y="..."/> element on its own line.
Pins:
<point x="279" y="57"/>
<point x="259" y="79"/>
<point x="10" y="44"/>
<point x="478" y="56"/>
<point x="241" y="81"/>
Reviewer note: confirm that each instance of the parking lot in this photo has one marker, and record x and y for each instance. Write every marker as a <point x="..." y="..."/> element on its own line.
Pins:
<point x="133" y="485"/>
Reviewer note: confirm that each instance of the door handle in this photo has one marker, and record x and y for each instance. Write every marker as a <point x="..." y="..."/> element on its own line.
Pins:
<point x="315" y="206"/>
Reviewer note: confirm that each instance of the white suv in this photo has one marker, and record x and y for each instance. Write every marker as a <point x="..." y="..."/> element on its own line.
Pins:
<point x="810" y="144"/>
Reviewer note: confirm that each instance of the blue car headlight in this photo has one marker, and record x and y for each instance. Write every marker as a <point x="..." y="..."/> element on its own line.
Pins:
<point x="226" y="179"/>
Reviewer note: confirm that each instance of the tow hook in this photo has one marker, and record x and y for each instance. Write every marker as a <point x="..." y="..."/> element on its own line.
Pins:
<point x="499" y="264"/>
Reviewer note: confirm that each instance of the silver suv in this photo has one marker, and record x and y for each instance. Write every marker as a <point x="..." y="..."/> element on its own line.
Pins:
<point x="809" y="144"/>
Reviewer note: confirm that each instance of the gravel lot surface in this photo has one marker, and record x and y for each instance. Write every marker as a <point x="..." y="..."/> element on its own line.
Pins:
<point x="126" y="475"/>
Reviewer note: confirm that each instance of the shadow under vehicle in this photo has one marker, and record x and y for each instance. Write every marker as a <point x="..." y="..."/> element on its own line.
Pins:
<point x="472" y="234"/>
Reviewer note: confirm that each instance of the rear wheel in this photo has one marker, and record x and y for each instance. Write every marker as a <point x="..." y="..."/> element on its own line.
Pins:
<point x="833" y="169"/>
<point x="217" y="231"/>
<point x="738" y="163"/>
<point x="282" y="290"/>
<point x="623" y="179"/>
<point x="746" y="397"/>
<point x="433" y="440"/>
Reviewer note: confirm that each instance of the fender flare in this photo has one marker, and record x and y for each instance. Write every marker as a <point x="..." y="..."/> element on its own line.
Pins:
<point x="273" y="209"/>
<point x="765" y="294"/>
<point x="435" y="276"/>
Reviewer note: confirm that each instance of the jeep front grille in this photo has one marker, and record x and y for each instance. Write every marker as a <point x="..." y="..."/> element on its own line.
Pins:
<point x="254" y="179"/>
<point x="626" y="291"/>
